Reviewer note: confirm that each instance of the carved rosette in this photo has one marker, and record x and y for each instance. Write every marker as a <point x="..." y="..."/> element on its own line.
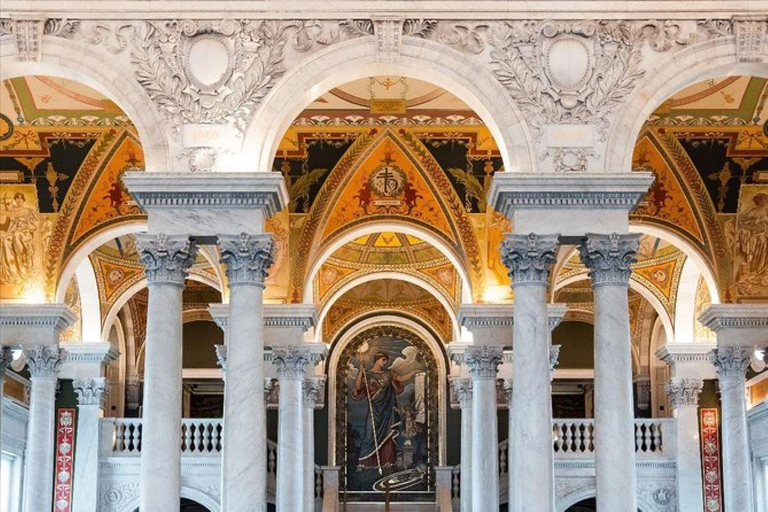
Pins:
<point x="683" y="391"/>
<point x="731" y="362"/>
<point x="166" y="258"/>
<point x="529" y="258"/>
<point x="292" y="361"/>
<point x="554" y="359"/>
<point x="313" y="390"/>
<point x="6" y="356"/>
<point x="462" y="390"/>
<point x="609" y="257"/>
<point x="247" y="257"/>
<point x="221" y="357"/>
<point x="44" y="361"/>
<point x="91" y="391"/>
<point x="483" y="361"/>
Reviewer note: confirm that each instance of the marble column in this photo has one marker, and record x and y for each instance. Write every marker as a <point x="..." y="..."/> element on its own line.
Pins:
<point x="508" y="391"/>
<point x="44" y="362"/>
<point x="483" y="363"/>
<point x="684" y="397"/>
<point x="529" y="258"/>
<point x="91" y="394"/>
<point x="608" y="258"/>
<point x="731" y="365"/>
<point x="166" y="260"/>
<point x="463" y="390"/>
<point x="313" y="389"/>
<point x="291" y="363"/>
<point x="244" y="458"/>
<point x="5" y="360"/>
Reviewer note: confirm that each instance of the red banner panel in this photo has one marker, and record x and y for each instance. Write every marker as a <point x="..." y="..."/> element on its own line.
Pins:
<point x="710" y="460"/>
<point x="65" y="449"/>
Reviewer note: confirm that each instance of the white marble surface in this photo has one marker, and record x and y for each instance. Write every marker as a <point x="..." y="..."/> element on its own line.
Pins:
<point x="485" y="441"/>
<point x="308" y="420"/>
<point x="244" y="464"/>
<point x="38" y="470"/>
<point x="160" y="477"/>
<point x="531" y="403"/>
<point x="737" y="474"/>
<point x="614" y="415"/>
<point x="85" y="494"/>
<point x="290" y="446"/>
<point x="463" y="390"/>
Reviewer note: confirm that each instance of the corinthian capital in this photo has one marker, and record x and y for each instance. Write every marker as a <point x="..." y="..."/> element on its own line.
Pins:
<point x="483" y="361"/>
<point x="166" y="259"/>
<point x="529" y="257"/>
<point x="291" y="361"/>
<point x="609" y="257"/>
<point x="6" y="356"/>
<point x="684" y="391"/>
<point x="731" y="362"/>
<point x="462" y="390"/>
<point x="247" y="257"/>
<point x="44" y="361"/>
<point x="90" y="391"/>
<point x="313" y="391"/>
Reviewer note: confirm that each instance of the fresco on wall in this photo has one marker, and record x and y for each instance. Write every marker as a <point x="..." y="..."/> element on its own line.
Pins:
<point x="751" y="257"/>
<point x="387" y="416"/>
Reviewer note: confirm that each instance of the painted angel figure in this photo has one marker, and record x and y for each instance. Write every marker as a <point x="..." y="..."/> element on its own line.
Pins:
<point x="379" y="385"/>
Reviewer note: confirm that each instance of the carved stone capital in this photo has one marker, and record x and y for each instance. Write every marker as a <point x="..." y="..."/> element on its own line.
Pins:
<point x="529" y="258"/>
<point x="221" y="357"/>
<point x="554" y="359"/>
<point x="44" y="361"/>
<point x="750" y="37"/>
<point x="313" y="391"/>
<point x="6" y="356"/>
<point x="683" y="391"/>
<point x="28" y="34"/>
<point x="91" y="391"/>
<point x="462" y="390"/>
<point x="166" y="258"/>
<point x="291" y="361"/>
<point x="483" y="361"/>
<point x="247" y="257"/>
<point x="609" y="257"/>
<point x="731" y="362"/>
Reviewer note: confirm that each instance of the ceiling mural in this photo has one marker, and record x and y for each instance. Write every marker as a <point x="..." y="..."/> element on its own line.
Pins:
<point x="387" y="296"/>
<point x="708" y="147"/>
<point x="63" y="148"/>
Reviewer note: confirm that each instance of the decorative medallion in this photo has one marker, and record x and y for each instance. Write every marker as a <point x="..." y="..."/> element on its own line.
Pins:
<point x="388" y="181"/>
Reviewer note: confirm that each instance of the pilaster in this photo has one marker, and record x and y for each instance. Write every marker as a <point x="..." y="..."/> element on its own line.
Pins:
<point x="91" y="394"/>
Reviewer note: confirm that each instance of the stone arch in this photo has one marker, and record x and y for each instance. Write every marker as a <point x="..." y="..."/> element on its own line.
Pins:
<point x="420" y="59"/>
<point x="574" y="498"/>
<point x="337" y="348"/>
<point x="88" y="64"/>
<point x="710" y="59"/>
<point x="386" y="275"/>
<point x="396" y="227"/>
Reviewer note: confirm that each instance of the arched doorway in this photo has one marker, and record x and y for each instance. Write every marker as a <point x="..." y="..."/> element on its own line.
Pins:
<point x="387" y="416"/>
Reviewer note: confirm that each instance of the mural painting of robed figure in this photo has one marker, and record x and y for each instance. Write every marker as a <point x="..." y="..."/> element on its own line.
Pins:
<point x="380" y="386"/>
<point x="388" y="418"/>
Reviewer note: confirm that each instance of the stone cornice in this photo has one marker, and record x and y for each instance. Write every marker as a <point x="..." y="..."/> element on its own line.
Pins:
<point x="57" y="316"/>
<point x="555" y="314"/>
<point x="91" y="353"/>
<point x="735" y="316"/>
<point x="672" y="353"/>
<point x="210" y="191"/>
<point x="486" y="315"/>
<point x="290" y="315"/>
<point x="513" y="191"/>
<point x="443" y="9"/>
<point x="220" y="314"/>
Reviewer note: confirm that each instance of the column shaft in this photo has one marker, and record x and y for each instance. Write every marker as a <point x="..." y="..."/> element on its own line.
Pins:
<point x="90" y="397"/>
<point x="609" y="257"/>
<point x="483" y="362"/>
<point x="529" y="258"/>
<point x="5" y="360"/>
<point x="463" y="390"/>
<point x="308" y="415"/>
<point x="684" y="397"/>
<point x="244" y="458"/>
<point x="44" y="362"/>
<point x="166" y="260"/>
<point x="731" y="364"/>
